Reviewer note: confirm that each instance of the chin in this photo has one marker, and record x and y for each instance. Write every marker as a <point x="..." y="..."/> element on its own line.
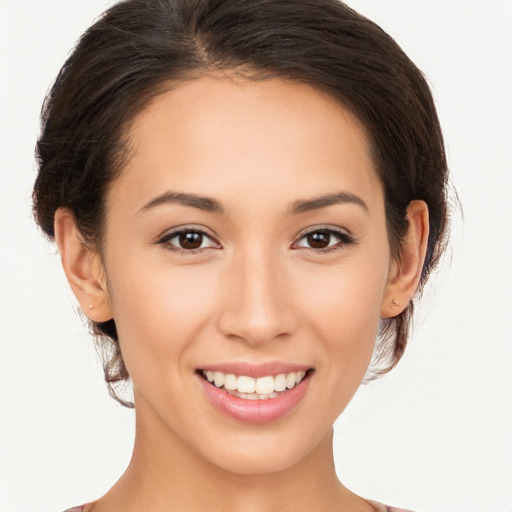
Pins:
<point x="259" y="464"/>
<point x="266" y="453"/>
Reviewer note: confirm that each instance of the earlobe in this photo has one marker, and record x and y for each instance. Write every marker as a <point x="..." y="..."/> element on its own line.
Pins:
<point x="83" y="268"/>
<point x="405" y="274"/>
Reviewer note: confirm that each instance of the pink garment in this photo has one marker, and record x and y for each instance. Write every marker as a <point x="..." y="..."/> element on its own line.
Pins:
<point x="379" y="507"/>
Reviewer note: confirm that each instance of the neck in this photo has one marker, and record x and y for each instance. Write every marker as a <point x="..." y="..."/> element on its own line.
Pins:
<point x="165" y="474"/>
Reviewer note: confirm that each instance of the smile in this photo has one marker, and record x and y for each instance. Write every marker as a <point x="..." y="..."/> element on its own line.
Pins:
<point x="255" y="393"/>
<point x="250" y="388"/>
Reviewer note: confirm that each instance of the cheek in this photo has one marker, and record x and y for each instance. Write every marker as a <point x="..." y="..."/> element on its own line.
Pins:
<point x="347" y="297"/>
<point x="343" y="308"/>
<point x="159" y="310"/>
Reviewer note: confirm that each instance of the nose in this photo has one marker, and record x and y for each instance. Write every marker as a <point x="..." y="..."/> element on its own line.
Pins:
<point x="257" y="305"/>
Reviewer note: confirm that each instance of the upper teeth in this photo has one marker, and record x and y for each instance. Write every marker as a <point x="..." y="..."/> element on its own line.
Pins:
<point x="261" y="385"/>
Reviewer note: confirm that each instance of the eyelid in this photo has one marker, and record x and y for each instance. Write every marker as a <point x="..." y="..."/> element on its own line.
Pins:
<point x="324" y="227"/>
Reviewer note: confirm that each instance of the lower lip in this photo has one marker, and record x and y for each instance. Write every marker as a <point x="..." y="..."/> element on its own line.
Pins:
<point x="255" y="411"/>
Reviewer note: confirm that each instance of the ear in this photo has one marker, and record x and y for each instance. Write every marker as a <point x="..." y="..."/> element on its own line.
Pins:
<point x="83" y="268"/>
<point x="405" y="274"/>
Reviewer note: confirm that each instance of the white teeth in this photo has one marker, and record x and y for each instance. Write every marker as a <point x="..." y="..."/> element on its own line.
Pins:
<point x="230" y="381"/>
<point x="246" y="384"/>
<point x="218" y="378"/>
<point x="253" y="389"/>
<point x="280" y="382"/>
<point x="253" y="396"/>
<point x="265" y="385"/>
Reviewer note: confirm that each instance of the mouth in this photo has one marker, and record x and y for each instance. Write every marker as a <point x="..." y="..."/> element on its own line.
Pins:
<point x="254" y="388"/>
<point x="263" y="397"/>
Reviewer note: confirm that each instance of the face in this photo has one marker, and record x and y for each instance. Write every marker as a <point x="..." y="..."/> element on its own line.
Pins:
<point x="246" y="244"/>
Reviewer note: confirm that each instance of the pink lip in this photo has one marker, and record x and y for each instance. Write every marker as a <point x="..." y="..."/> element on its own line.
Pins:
<point x="256" y="370"/>
<point x="255" y="411"/>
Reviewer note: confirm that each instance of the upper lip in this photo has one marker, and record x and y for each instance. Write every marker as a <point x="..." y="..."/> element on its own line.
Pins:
<point x="256" y="370"/>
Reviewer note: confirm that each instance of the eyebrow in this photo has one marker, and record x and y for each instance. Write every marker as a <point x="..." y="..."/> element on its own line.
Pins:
<point x="211" y="205"/>
<point x="316" y="203"/>
<point x="193" y="200"/>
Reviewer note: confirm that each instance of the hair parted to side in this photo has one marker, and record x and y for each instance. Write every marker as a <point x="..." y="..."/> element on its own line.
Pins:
<point x="140" y="48"/>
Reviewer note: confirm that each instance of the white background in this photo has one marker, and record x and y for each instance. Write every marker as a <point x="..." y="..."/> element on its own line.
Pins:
<point x="434" y="436"/>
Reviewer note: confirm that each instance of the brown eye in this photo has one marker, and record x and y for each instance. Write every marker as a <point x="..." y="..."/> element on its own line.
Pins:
<point x="319" y="239"/>
<point x="324" y="240"/>
<point x="190" y="240"/>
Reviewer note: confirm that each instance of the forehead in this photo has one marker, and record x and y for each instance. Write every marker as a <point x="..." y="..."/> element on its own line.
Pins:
<point x="218" y="135"/>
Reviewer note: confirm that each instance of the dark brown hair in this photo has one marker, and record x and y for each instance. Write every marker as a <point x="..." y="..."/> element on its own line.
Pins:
<point x="138" y="46"/>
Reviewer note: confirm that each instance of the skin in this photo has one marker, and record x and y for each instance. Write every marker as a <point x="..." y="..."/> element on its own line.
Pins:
<point x="255" y="292"/>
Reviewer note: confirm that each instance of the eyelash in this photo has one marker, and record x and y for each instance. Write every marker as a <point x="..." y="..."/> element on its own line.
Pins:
<point x="344" y="239"/>
<point x="166" y="240"/>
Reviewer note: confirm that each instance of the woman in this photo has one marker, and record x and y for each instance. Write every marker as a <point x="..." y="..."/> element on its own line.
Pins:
<point x="245" y="196"/>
